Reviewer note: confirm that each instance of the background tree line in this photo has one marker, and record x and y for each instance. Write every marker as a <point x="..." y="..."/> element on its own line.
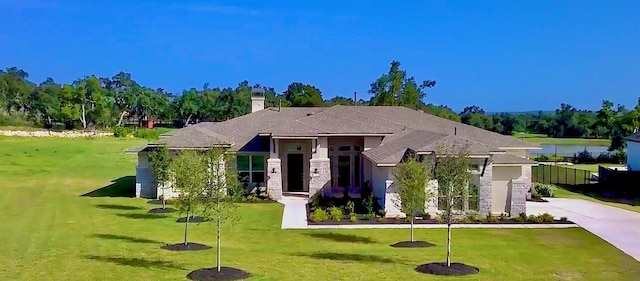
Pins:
<point x="105" y="102"/>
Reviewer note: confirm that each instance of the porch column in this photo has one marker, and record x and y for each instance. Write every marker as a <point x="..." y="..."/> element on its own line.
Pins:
<point x="274" y="178"/>
<point x="484" y="190"/>
<point x="320" y="175"/>
<point x="432" y="205"/>
<point x="517" y="197"/>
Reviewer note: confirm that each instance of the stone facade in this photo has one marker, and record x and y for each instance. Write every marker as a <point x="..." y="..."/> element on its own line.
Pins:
<point x="274" y="178"/>
<point x="432" y="205"/>
<point x="517" y="197"/>
<point x="526" y="176"/>
<point x="485" y="190"/>
<point x="320" y="175"/>
<point x="390" y="200"/>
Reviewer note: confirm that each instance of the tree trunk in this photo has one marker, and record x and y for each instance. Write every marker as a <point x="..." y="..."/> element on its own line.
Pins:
<point x="411" y="229"/>
<point x="49" y="119"/>
<point x="164" y="201"/>
<point x="121" y="117"/>
<point x="218" y="246"/>
<point x="186" y="226"/>
<point x="83" y="118"/>
<point x="448" y="244"/>
<point x="188" y="119"/>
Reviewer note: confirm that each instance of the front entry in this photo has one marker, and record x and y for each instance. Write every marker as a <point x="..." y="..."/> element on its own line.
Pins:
<point x="295" y="172"/>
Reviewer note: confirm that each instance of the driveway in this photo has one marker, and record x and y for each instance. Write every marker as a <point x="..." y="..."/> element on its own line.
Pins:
<point x="619" y="227"/>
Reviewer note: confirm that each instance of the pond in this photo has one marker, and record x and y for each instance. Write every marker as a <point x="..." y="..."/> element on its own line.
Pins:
<point x="569" y="150"/>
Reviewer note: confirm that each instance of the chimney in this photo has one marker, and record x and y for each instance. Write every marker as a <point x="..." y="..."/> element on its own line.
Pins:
<point x="257" y="99"/>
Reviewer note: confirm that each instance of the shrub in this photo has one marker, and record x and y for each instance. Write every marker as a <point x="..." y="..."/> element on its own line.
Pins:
<point x="382" y="213"/>
<point x="382" y="219"/>
<point x="149" y="134"/>
<point x="368" y="204"/>
<point x="353" y="217"/>
<point x="546" y="218"/>
<point x="369" y="216"/>
<point x="252" y="199"/>
<point x="504" y="217"/>
<point x="439" y="219"/>
<point x="426" y="216"/>
<point x="351" y="207"/>
<point x="336" y="213"/>
<point x="544" y="189"/>
<point x="471" y="217"/>
<point x="523" y="216"/>
<point x="121" y="132"/>
<point x="316" y="202"/>
<point x="521" y="219"/>
<point x="536" y="219"/>
<point x="492" y="218"/>
<point x="541" y="158"/>
<point x="319" y="215"/>
<point x="585" y="157"/>
<point x="564" y="219"/>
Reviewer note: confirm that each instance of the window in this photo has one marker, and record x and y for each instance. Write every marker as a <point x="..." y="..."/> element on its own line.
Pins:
<point x="459" y="201"/>
<point x="251" y="170"/>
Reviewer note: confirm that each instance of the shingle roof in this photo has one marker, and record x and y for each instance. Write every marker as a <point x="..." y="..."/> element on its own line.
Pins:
<point x="392" y="152"/>
<point x="511" y="159"/>
<point x="404" y="128"/>
<point x="634" y="138"/>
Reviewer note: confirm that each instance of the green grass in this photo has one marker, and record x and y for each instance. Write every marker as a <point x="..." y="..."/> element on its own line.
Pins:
<point x="542" y="139"/>
<point x="592" y="167"/>
<point x="51" y="232"/>
<point x="629" y="205"/>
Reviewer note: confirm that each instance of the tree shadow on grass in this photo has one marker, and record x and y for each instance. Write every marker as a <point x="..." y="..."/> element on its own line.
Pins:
<point x="347" y="257"/>
<point x="136" y="262"/>
<point x="117" y="207"/>
<point x="337" y="237"/>
<point x="121" y="187"/>
<point x="142" y="216"/>
<point x="126" y="238"/>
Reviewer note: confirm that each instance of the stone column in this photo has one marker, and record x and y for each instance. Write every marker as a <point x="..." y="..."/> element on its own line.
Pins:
<point x="432" y="205"/>
<point x="484" y="190"/>
<point x="518" y="197"/>
<point x="320" y="175"/>
<point x="391" y="197"/>
<point x="274" y="178"/>
<point x="526" y="176"/>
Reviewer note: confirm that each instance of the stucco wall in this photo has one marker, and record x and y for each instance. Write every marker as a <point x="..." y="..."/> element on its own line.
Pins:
<point x="379" y="176"/>
<point x="371" y="142"/>
<point x="144" y="177"/>
<point x="633" y="155"/>
<point x="321" y="148"/>
<point x="502" y="175"/>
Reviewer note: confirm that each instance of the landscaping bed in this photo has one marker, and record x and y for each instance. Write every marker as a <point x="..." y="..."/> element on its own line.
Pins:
<point x="469" y="219"/>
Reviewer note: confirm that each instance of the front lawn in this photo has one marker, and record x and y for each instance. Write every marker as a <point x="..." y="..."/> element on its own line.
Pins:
<point x="51" y="232"/>
<point x="542" y="139"/>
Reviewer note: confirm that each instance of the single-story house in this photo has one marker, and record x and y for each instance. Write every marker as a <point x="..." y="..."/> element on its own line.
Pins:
<point x="633" y="152"/>
<point x="332" y="149"/>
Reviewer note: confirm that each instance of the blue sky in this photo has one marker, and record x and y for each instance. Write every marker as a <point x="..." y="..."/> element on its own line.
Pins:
<point x="500" y="55"/>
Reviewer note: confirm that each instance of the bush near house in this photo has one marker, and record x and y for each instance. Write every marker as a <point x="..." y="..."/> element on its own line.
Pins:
<point x="544" y="189"/>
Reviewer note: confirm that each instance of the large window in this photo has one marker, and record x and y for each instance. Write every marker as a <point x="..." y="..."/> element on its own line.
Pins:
<point x="346" y="170"/>
<point x="251" y="170"/>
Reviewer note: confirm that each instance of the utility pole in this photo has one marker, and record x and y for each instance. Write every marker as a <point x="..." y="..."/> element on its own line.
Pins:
<point x="355" y="98"/>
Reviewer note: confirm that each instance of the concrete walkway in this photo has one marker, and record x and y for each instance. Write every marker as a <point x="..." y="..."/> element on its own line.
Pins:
<point x="619" y="227"/>
<point x="295" y="212"/>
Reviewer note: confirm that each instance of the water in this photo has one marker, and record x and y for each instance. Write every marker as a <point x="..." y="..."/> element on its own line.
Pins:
<point x="569" y="150"/>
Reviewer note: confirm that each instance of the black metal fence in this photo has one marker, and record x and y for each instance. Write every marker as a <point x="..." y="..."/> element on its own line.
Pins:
<point x="553" y="174"/>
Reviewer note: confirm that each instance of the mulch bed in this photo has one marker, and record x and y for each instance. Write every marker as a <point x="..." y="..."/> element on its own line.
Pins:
<point x="161" y="210"/>
<point x="414" y="244"/>
<point x="441" y="268"/>
<point x="188" y="247"/>
<point x="211" y="274"/>
<point x="194" y="219"/>
<point x="536" y="200"/>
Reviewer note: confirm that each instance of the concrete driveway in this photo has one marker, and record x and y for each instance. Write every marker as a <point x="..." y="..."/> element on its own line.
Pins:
<point x="619" y="227"/>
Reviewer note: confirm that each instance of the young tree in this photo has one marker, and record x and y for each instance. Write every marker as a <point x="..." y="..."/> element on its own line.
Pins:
<point x="411" y="179"/>
<point x="160" y="166"/>
<point x="190" y="181"/>
<point x="453" y="175"/>
<point x="220" y="193"/>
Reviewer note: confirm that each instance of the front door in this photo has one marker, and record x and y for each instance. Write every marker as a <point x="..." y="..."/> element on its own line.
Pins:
<point x="295" y="172"/>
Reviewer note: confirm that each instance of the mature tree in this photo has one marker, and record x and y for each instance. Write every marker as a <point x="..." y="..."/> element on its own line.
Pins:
<point x="303" y="95"/>
<point x="453" y="175"/>
<point x="411" y="179"/>
<point x="188" y="105"/>
<point x="397" y="89"/>
<point x="221" y="182"/>
<point x="190" y="182"/>
<point x="124" y="92"/>
<point x="160" y="160"/>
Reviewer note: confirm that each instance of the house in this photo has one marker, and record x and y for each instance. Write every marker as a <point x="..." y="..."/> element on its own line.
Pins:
<point x="633" y="152"/>
<point x="329" y="149"/>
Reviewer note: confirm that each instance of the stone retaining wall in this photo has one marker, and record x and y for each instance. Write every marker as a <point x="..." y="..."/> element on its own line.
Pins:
<point x="63" y="134"/>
